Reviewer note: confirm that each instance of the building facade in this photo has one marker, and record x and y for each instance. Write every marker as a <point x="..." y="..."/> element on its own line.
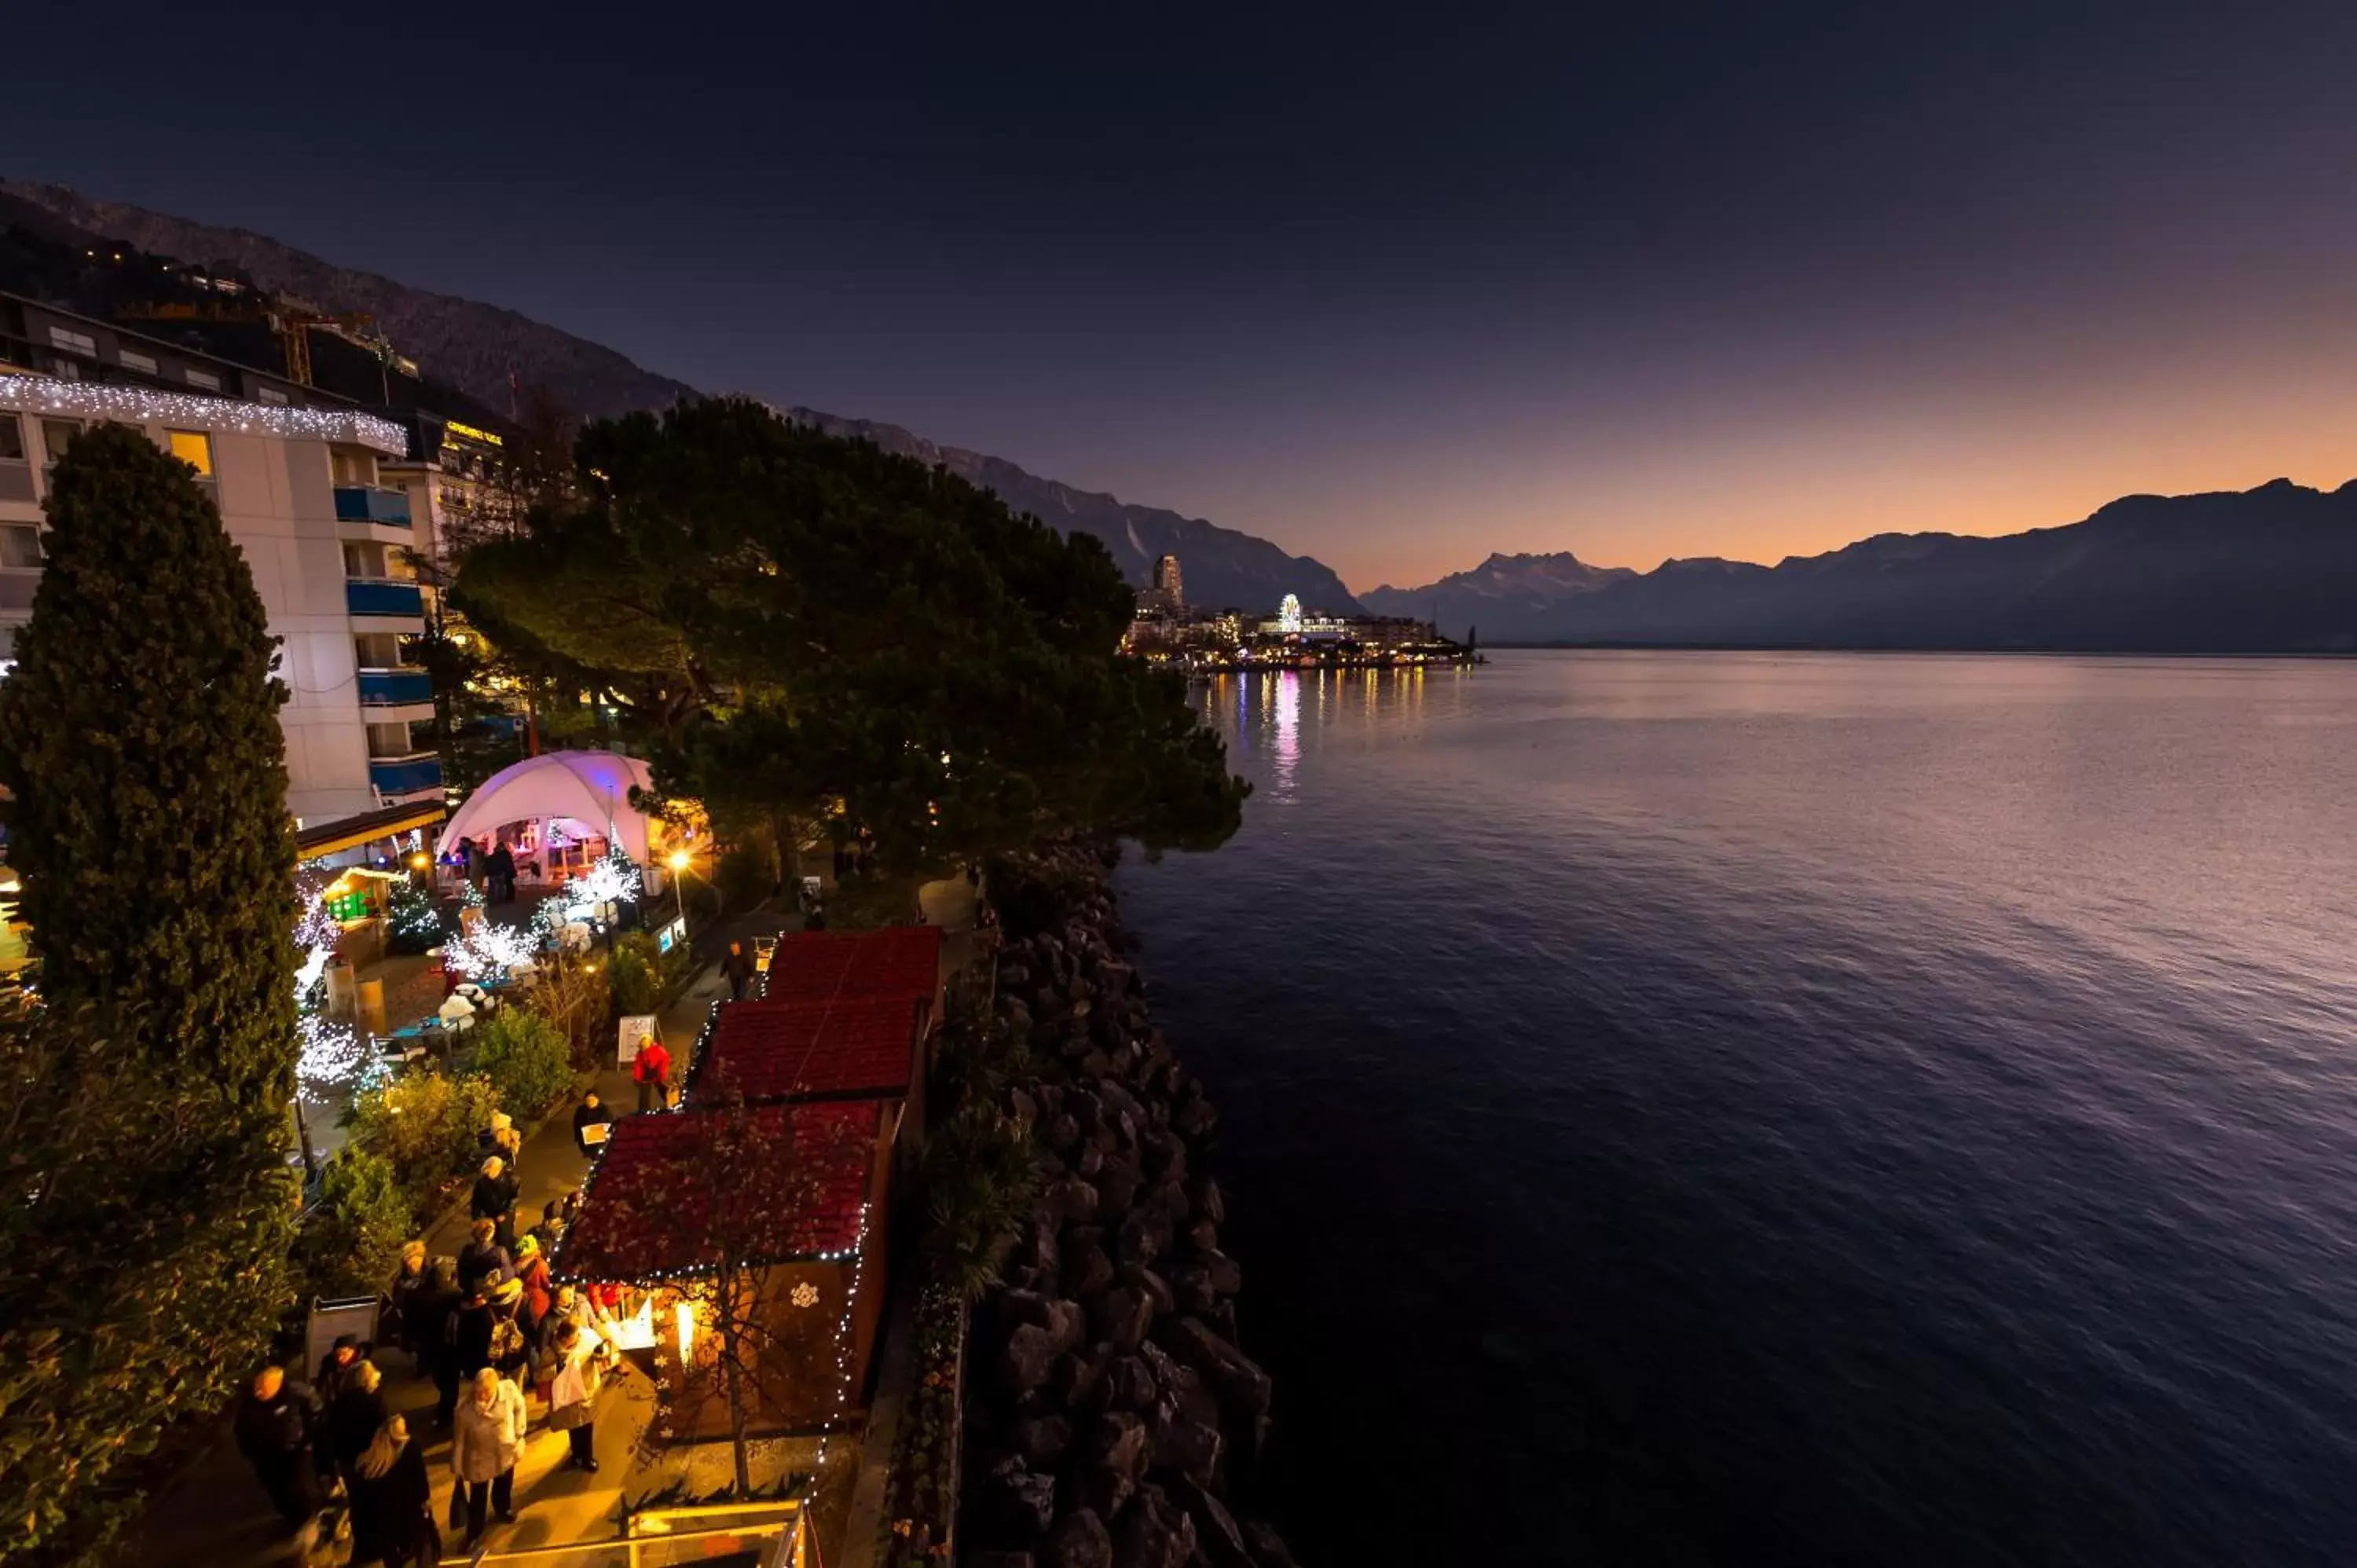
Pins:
<point x="329" y="542"/>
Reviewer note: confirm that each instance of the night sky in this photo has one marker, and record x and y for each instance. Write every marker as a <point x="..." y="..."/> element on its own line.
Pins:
<point x="1392" y="289"/>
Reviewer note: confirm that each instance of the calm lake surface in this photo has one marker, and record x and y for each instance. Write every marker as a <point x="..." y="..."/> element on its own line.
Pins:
<point x="1754" y="1108"/>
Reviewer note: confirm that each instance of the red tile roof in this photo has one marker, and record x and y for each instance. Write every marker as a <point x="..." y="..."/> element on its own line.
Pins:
<point x="673" y="1191"/>
<point x="861" y="1045"/>
<point x="906" y="958"/>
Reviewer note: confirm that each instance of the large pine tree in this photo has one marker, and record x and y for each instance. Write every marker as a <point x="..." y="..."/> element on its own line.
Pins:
<point x="139" y="735"/>
<point x="145" y="1207"/>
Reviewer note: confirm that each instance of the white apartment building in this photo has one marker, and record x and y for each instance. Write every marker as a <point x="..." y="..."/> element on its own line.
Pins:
<point x="301" y="493"/>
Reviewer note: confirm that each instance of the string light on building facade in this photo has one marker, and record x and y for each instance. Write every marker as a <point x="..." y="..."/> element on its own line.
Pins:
<point x="140" y="406"/>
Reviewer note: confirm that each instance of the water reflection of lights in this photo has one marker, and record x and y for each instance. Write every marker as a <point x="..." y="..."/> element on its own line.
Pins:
<point x="1287" y="752"/>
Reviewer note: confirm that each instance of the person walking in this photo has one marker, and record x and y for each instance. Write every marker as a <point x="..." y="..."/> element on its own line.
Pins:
<point x="483" y="1257"/>
<point x="432" y="1308"/>
<point x="591" y="1112"/>
<point x="393" y="1502"/>
<point x="539" y="1289"/>
<point x="510" y="1351"/>
<point x="410" y="1280"/>
<point x="468" y="1341"/>
<point x="327" y="1387"/>
<point x="652" y="1073"/>
<point x="355" y="1417"/>
<point x="484" y="1449"/>
<point x="500" y="872"/>
<point x="581" y="1362"/>
<point x="736" y="968"/>
<point x="273" y="1432"/>
<point x="494" y="1197"/>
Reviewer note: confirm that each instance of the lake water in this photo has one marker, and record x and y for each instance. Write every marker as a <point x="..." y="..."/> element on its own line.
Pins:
<point x="1754" y="1108"/>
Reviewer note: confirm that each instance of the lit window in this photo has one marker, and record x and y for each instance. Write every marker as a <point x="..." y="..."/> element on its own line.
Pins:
<point x="195" y="448"/>
<point x="270" y="395"/>
<point x="20" y="547"/>
<point x="73" y="342"/>
<point x="131" y="360"/>
<point x="57" y="435"/>
<point x="204" y="379"/>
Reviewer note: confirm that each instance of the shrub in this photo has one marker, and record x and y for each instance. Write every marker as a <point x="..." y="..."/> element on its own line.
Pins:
<point x="645" y="978"/>
<point x="352" y="1245"/>
<point x="528" y="1059"/>
<point x="981" y="1172"/>
<point x="426" y="1124"/>
<point x="571" y="992"/>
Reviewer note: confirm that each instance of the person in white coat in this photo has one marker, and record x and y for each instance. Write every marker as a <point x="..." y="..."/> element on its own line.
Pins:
<point x="485" y="1445"/>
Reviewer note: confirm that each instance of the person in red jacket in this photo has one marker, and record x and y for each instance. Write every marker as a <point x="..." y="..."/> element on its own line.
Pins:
<point x="652" y="1072"/>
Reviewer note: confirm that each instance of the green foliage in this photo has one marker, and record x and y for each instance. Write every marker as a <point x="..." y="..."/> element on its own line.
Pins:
<point x="414" y="921"/>
<point x="350" y="1246"/>
<point x="528" y="1059"/>
<point x="147" y="1228"/>
<point x="743" y="877"/>
<point x="787" y="621"/>
<point x="645" y="978"/>
<point x="921" y="1505"/>
<point x="145" y="1207"/>
<point x="139" y="736"/>
<point x="425" y="1124"/>
<point x="980" y="1175"/>
<point x="571" y="992"/>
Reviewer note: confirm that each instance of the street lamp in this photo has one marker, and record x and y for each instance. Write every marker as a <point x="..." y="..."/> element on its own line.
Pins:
<point x="680" y="862"/>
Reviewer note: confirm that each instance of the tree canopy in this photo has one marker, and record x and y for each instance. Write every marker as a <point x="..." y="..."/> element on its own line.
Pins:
<point x="787" y="620"/>
<point x="145" y="1207"/>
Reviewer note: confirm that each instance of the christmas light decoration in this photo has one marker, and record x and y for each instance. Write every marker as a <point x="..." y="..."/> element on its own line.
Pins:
<point x="333" y="1052"/>
<point x="142" y="405"/>
<point x="489" y="951"/>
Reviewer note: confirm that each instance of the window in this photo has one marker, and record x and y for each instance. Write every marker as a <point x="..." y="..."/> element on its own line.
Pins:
<point x="20" y="547"/>
<point x="193" y="447"/>
<point x="361" y="561"/>
<point x="132" y="360"/>
<point x="350" y="469"/>
<point x="377" y="650"/>
<point x="391" y="740"/>
<point x="73" y="342"/>
<point x="12" y="439"/>
<point x="271" y="396"/>
<point x="57" y="435"/>
<point x="204" y="379"/>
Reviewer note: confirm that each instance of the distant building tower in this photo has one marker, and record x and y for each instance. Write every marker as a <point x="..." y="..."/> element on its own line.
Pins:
<point x="1168" y="585"/>
<point x="1289" y="614"/>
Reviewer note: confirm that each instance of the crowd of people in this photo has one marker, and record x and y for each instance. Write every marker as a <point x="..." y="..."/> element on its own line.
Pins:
<point x="493" y="1331"/>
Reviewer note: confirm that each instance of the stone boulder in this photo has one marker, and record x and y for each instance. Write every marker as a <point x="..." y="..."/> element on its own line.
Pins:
<point x="1079" y="1541"/>
<point x="1154" y="1534"/>
<point x="1016" y="1503"/>
<point x="1267" y="1547"/>
<point x="1217" y="1535"/>
<point x="1030" y="1356"/>
<point x="1121" y="1315"/>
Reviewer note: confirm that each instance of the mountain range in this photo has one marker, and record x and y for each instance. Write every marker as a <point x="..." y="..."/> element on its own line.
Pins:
<point x="484" y="351"/>
<point x="2270" y="570"/>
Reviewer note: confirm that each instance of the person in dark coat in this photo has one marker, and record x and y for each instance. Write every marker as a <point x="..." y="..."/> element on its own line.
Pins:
<point x="410" y="1281"/>
<point x="468" y="1339"/>
<point x="590" y="1112"/>
<point x="430" y="1309"/>
<point x="273" y="1432"/>
<point x="494" y="1196"/>
<point x="393" y="1502"/>
<point x="355" y="1415"/>
<point x="736" y="968"/>
<point x="500" y="872"/>
<point x="338" y="1365"/>
<point x="483" y="1257"/>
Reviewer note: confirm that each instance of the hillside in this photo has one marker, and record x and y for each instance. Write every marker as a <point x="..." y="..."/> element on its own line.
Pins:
<point x="2271" y="570"/>
<point x="476" y="348"/>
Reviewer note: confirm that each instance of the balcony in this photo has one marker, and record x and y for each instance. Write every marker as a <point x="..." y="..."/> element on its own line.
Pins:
<point x="396" y="688"/>
<point x="360" y="504"/>
<point x="406" y="775"/>
<point x="383" y="596"/>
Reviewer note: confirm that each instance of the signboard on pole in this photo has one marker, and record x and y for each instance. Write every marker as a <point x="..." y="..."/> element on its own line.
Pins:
<point x="635" y="1029"/>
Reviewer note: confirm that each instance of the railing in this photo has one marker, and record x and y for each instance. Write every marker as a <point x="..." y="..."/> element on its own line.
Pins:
<point x="394" y="687"/>
<point x="406" y="775"/>
<point x="382" y="597"/>
<point x="360" y="503"/>
<point x="674" y="1538"/>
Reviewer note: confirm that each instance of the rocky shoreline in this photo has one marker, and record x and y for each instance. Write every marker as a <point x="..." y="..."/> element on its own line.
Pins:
<point x="1112" y="1414"/>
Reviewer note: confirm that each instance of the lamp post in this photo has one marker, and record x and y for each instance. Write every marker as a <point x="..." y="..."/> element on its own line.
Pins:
<point x="680" y="862"/>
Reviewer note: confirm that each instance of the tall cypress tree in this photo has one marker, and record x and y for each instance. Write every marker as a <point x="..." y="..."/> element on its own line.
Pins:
<point x="145" y="1206"/>
<point x="139" y="735"/>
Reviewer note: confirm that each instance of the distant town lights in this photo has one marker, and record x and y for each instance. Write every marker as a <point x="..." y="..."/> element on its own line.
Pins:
<point x="142" y="405"/>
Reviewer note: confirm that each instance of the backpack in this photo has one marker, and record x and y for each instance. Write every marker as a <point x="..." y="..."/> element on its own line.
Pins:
<point x="507" y="1339"/>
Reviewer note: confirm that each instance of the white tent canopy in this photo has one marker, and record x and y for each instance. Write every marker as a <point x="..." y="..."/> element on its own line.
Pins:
<point x="591" y="787"/>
